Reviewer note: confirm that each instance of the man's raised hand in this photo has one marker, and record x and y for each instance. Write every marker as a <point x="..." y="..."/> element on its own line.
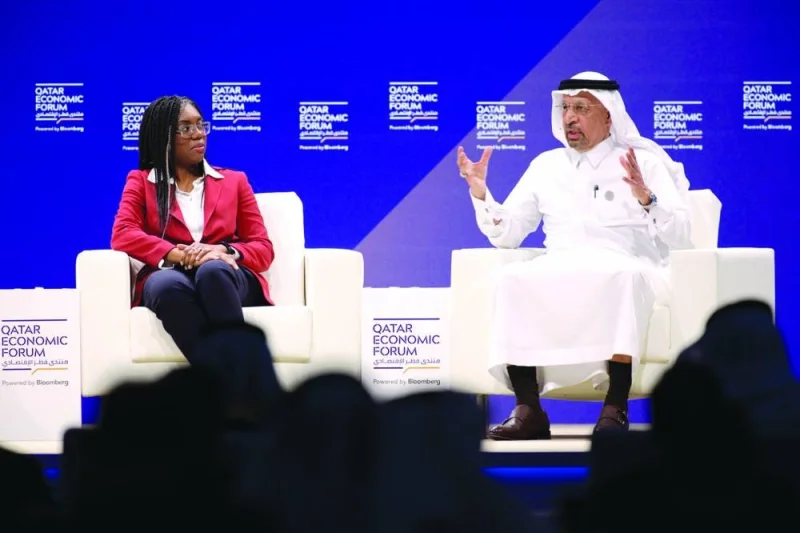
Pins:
<point x="474" y="172"/>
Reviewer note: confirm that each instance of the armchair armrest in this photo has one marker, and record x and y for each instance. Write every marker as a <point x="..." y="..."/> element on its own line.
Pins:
<point x="103" y="280"/>
<point x="703" y="280"/>
<point x="472" y="277"/>
<point x="334" y="281"/>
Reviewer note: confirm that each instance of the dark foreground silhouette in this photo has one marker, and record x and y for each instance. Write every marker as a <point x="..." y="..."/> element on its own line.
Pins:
<point x="221" y="445"/>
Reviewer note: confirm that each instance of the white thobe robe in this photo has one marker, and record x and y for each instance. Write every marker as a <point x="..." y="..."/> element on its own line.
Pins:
<point x="592" y="293"/>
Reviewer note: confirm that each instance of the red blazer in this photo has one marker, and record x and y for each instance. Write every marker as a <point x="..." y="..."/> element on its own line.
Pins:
<point x="231" y="215"/>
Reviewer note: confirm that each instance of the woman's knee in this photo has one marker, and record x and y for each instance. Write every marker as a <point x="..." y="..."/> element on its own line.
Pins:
<point x="213" y="270"/>
<point x="164" y="283"/>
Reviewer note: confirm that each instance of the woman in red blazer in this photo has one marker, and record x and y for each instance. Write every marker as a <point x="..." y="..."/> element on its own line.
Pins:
<point x="196" y="228"/>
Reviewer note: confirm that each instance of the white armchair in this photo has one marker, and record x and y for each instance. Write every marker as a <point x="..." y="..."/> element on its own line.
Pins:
<point x="314" y="327"/>
<point x="702" y="279"/>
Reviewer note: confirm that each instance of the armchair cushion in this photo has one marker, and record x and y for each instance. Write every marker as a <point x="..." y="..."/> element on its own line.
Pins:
<point x="658" y="334"/>
<point x="287" y="327"/>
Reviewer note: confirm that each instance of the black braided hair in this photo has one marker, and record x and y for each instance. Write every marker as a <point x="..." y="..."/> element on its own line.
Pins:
<point x="157" y="146"/>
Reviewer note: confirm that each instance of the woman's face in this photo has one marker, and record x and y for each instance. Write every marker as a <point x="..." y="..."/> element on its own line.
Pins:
<point x="190" y="139"/>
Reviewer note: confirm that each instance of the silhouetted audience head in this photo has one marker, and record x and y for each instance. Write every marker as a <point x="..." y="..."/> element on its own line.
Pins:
<point x="156" y="450"/>
<point x="238" y="357"/>
<point x="181" y="405"/>
<point x="26" y="501"/>
<point x="744" y="348"/>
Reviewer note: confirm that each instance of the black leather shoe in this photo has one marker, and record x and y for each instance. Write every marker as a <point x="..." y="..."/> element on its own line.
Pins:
<point x="612" y="419"/>
<point x="523" y="423"/>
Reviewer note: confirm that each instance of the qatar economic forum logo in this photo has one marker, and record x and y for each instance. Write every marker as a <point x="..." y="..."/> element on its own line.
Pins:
<point x="413" y="106"/>
<point x="59" y="107"/>
<point x="34" y="352"/>
<point x="767" y="105"/>
<point x="678" y="124"/>
<point x="236" y="106"/>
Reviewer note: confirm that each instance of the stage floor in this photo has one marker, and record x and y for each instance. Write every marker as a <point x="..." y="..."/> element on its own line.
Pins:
<point x="569" y="447"/>
<point x="538" y="473"/>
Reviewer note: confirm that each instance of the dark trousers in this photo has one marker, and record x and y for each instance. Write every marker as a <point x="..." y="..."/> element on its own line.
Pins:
<point x="187" y="301"/>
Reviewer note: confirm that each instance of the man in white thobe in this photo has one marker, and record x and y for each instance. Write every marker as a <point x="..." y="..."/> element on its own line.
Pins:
<point x="612" y="205"/>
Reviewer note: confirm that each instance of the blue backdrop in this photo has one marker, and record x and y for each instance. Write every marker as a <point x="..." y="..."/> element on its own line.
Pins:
<point x="76" y="73"/>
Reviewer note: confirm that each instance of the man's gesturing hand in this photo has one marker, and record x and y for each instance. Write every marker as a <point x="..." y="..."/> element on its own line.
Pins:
<point x="474" y="172"/>
<point x="634" y="177"/>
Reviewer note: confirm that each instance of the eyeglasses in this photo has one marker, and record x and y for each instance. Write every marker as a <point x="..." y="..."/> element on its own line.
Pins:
<point x="187" y="130"/>
<point x="578" y="108"/>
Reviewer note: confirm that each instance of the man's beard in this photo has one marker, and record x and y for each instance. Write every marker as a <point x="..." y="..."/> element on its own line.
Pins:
<point x="574" y="142"/>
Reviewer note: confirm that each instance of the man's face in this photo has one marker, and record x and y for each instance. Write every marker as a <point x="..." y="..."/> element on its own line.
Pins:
<point x="586" y="122"/>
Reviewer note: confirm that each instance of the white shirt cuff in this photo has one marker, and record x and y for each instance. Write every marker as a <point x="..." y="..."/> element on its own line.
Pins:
<point x="488" y="209"/>
<point x="656" y="213"/>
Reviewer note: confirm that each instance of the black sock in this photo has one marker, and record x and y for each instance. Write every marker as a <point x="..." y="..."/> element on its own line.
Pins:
<point x="525" y="385"/>
<point x="620" y="378"/>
